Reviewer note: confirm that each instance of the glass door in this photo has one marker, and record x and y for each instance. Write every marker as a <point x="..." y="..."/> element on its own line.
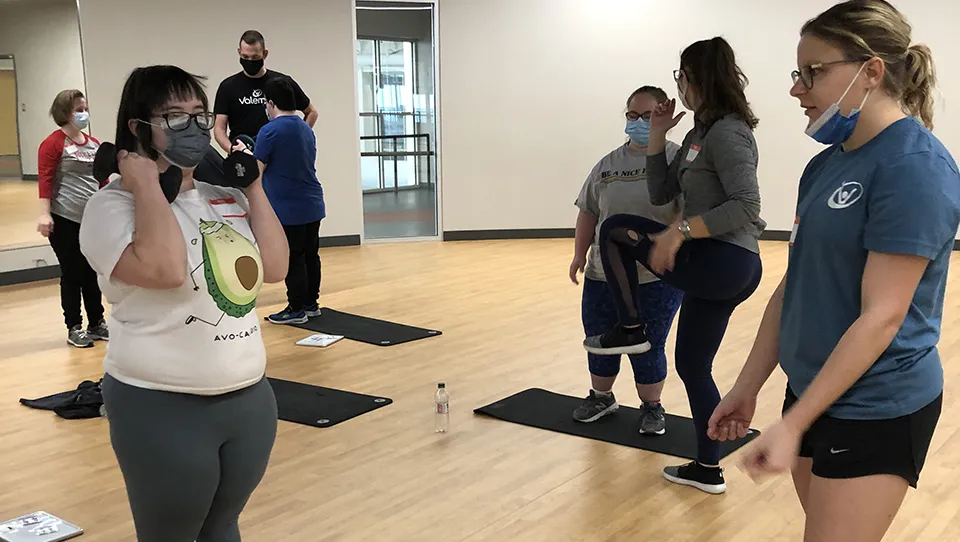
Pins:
<point x="397" y="122"/>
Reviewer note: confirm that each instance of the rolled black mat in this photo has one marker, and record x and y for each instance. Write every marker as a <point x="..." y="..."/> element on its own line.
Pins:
<point x="551" y="411"/>
<point x="318" y="406"/>
<point x="364" y="329"/>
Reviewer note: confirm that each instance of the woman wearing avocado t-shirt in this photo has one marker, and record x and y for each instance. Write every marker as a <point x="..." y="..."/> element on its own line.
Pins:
<point x="192" y="417"/>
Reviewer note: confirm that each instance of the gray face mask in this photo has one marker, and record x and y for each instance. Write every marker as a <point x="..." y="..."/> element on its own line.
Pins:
<point x="186" y="148"/>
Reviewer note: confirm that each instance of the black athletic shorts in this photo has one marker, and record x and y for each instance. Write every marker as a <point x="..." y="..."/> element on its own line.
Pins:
<point x="854" y="448"/>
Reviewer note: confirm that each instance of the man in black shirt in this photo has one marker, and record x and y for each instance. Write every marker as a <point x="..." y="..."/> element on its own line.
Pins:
<point x="240" y="106"/>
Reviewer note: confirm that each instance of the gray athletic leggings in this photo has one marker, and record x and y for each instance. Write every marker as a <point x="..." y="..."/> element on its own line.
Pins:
<point x="190" y="462"/>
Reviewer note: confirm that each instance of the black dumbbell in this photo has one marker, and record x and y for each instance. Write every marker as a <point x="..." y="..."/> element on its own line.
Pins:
<point x="105" y="162"/>
<point x="246" y="140"/>
<point x="240" y="168"/>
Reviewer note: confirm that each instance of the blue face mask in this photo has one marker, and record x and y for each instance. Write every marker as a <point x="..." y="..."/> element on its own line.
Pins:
<point x="833" y="127"/>
<point x="81" y="119"/>
<point x="639" y="131"/>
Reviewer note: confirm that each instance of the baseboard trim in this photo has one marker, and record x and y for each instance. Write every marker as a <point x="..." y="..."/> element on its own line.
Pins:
<point x="37" y="274"/>
<point x="555" y="233"/>
<point x="34" y="274"/>
<point x="339" y="241"/>
<point x="778" y="235"/>
<point x="47" y="272"/>
<point x="775" y="235"/>
<point x="567" y="233"/>
<point x="499" y="235"/>
<point x="30" y="177"/>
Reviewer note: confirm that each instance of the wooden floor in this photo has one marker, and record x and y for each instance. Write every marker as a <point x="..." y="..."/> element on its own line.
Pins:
<point x="510" y="320"/>
<point x="19" y="211"/>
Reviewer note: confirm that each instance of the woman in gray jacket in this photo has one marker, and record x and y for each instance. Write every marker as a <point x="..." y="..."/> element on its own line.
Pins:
<point x="711" y="252"/>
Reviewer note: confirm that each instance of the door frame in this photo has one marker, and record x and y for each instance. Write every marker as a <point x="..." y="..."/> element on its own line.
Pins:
<point x="438" y="145"/>
<point x="16" y="111"/>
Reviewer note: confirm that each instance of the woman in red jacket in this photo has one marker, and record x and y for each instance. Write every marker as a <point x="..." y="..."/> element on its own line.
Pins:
<point x="65" y="166"/>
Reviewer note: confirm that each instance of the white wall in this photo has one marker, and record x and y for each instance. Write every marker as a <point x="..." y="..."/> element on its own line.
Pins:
<point x="44" y="38"/>
<point x="309" y="40"/>
<point x="533" y="91"/>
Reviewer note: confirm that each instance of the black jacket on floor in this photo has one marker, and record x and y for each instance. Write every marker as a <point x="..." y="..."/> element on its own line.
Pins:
<point x="83" y="402"/>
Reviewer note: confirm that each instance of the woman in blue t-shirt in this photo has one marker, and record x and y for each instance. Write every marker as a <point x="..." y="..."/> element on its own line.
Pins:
<point x="855" y="322"/>
<point x="287" y="151"/>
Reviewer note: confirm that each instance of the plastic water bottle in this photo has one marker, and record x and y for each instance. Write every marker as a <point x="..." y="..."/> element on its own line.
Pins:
<point x="442" y="400"/>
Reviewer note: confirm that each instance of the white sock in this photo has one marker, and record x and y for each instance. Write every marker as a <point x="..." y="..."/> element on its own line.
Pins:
<point x="602" y="393"/>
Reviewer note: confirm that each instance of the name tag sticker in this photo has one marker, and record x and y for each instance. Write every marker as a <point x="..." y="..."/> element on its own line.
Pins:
<point x="796" y="226"/>
<point x="70" y="149"/>
<point x="692" y="153"/>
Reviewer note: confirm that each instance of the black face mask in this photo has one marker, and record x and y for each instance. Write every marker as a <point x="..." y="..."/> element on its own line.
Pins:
<point x="252" y="67"/>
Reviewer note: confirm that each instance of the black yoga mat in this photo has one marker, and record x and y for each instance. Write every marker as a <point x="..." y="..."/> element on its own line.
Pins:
<point x="318" y="406"/>
<point x="363" y="329"/>
<point x="547" y="410"/>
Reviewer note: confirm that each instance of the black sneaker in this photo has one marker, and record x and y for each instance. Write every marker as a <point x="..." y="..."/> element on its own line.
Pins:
<point x="707" y="479"/>
<point x="595" y="407"/>
<point x="618" y="341"/>
<point x="653" y="419"/>
<point x="99" y="332"/>
<point x="77" y="336"/>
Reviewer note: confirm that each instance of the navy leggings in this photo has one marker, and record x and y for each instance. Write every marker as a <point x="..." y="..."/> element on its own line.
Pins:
<point x="715" y="277"/>
<point x="658" y="304"/>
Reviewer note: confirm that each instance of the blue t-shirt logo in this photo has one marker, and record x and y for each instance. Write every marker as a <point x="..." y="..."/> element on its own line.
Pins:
<point x="845" y="196"/>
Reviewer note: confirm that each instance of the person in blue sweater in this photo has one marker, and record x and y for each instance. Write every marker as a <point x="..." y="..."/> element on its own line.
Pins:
<point x="286" y="149"/>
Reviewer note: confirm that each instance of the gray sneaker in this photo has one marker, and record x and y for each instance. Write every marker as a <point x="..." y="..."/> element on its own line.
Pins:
<point x="595" y="407"/>
<point x="99" y="332"/>
<point x="78" y="337"/>
<point x="653" y="419"/>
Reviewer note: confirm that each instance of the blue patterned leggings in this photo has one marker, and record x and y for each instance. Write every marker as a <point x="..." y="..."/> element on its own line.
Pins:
<point x="658" y="303"/>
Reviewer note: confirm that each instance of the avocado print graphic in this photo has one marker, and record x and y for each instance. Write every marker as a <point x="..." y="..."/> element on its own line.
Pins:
<point x="232" y="268"/>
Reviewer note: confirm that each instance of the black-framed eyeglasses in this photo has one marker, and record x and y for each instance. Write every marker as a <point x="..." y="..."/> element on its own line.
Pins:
<point x="807" y="74"/>
<point x="677" y="74"/>
<point x="633" y="115"/>
<point x="179" y="122"/>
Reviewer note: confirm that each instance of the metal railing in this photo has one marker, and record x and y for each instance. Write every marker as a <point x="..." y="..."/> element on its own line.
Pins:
<point x="429" y="154"/>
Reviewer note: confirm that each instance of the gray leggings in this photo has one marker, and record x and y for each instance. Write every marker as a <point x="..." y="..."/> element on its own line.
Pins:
<point x="190" y="462"/>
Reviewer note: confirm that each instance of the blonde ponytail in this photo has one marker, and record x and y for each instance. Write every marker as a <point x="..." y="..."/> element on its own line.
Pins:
<point x="920" y="78"/>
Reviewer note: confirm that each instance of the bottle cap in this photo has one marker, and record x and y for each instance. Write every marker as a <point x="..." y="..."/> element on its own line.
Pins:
<point x="441" y="385"/>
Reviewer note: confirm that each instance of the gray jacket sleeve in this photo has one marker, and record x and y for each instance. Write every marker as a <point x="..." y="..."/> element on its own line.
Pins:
<point x="733" y="152"/>
<point x="663" y="183"/>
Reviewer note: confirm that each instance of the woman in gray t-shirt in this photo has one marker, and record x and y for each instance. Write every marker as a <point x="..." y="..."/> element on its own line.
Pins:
<point x="618" y="184"/>
<point x="66" y="183"/>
